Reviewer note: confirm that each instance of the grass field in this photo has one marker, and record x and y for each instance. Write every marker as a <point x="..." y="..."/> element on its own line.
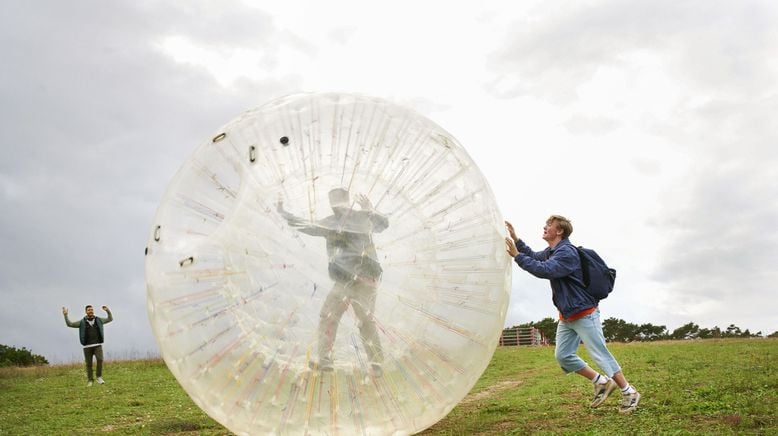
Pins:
<point x="688" y="387"/>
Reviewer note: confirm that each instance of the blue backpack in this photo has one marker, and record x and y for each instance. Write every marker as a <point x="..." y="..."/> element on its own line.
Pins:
<point x="598" y="279"/>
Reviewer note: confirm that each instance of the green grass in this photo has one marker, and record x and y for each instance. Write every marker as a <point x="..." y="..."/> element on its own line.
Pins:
<point x="139" y="397"/>
<point x="688" y="387"/>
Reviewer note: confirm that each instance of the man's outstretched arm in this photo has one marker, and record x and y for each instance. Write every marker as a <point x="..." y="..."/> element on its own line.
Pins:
<point x="563" y="262"/>
<point x="109" y="318"/>
<point x="68" y="321"/>
<point x="380" y="221"/>
<point x="298" y="223"/>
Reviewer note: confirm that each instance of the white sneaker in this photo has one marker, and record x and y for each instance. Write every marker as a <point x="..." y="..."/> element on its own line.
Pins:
<point x="376" y="369"/>
<point x="629" y="402"/>
<point x="100" y="380"/>
<point x="601" y="392"/>
<point x="323" y="366"/>
<point x="89" y="383"/>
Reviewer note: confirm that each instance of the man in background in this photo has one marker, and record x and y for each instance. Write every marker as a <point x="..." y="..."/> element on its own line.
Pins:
<point x="91" y="335"/>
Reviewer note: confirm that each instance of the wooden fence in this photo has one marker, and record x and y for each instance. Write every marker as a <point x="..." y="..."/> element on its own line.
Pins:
<point x="522" y="336"/>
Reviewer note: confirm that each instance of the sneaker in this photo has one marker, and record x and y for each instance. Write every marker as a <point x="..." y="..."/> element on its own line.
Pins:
<point x="89" y="383"/>
<point x="376" y="369"/>
<point x="601" y="392"/>
<point x="100" y="380"/>
<point x="324" y="366"/>
<point x="629" y="402"/>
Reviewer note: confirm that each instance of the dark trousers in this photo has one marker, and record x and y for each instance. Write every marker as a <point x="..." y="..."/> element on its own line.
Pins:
<point x="97" y="352"/>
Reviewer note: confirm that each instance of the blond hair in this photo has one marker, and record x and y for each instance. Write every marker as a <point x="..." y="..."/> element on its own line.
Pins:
<point x="561" y="223"/>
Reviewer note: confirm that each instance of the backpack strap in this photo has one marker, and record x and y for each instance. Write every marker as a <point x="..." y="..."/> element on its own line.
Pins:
<point x="584" y="267"/>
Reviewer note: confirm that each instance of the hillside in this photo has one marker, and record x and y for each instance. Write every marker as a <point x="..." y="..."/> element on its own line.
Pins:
<point x="704" y="386"/>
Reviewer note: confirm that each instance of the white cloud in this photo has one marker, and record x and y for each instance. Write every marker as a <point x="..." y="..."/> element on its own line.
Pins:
<point x="225" y="64"/>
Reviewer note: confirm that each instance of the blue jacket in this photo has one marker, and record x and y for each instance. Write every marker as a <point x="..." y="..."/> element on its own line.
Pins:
<point x="562" y="266"/>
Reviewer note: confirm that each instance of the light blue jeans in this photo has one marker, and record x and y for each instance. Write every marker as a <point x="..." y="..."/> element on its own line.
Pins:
<point x="588" y="329"/>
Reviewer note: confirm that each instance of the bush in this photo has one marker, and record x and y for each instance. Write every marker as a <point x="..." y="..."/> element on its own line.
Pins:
<point x="11" y="356"/>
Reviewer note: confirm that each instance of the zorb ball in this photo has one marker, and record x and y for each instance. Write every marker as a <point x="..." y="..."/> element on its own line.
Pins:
<point x="328" y="264"/>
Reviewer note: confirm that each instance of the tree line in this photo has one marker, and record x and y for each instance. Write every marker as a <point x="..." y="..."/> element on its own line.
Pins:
<point x="618" y="330"/>
<point x="12" y="356"/>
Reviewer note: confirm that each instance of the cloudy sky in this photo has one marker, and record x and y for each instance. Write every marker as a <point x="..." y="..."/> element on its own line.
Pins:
<point x="650" y="124"/>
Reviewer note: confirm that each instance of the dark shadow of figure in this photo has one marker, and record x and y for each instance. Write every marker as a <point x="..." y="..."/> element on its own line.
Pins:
<point x="353" y="266"/>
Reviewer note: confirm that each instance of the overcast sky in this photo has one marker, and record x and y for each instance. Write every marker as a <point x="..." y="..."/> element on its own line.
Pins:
<point x="650" y="124"/>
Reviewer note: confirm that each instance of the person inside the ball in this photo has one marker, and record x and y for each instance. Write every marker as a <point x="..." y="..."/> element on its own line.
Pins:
<point x="353" y="266"/>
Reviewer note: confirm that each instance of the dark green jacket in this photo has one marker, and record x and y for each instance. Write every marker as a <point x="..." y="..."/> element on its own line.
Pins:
<point x="81" y="326"/>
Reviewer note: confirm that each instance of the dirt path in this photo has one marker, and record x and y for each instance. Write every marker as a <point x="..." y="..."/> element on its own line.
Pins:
<point x="490" y="391"/>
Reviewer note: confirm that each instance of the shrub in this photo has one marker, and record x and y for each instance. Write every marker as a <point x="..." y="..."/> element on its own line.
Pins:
<point x="12" y="356"/>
